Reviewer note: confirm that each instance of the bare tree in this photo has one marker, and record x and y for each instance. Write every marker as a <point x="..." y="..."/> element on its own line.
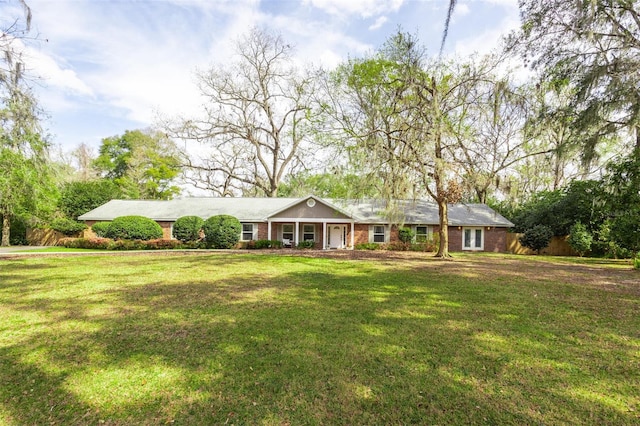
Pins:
<point x="256" y="122"/>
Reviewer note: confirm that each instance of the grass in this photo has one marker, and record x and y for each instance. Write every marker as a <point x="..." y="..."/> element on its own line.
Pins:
<point x="267" y="339"/>
<point x="55" y="249"/>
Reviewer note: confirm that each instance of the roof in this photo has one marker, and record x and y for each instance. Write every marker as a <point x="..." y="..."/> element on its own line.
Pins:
<point x="422" y="212"/>
<point x="261" y="209"/>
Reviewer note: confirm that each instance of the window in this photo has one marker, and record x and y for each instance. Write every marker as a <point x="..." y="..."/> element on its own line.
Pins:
<point x="287" y="231"/>
<point x="247" y="232"/>
<point x="472" y="239"/>
<point x="378" y="234"/>
<point x="422" y="233"/>
<point x="308" y="232"/>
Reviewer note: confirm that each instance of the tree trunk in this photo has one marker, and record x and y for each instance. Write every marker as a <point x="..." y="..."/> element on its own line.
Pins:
<point x="443" y="248"/>
<point x="6" y="230"/>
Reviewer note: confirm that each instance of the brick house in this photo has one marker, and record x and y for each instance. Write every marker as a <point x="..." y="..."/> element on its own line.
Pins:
<point x="330" y="224"/>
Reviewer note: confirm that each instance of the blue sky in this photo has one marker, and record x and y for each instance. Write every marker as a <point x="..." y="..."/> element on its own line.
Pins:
<point x="109" y="66"/>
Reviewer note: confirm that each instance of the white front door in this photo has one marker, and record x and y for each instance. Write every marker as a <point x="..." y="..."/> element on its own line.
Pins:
<point x="336" y="236"/>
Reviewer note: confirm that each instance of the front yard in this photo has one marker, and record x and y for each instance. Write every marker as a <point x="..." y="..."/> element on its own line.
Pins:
<point x="279" y="339"/>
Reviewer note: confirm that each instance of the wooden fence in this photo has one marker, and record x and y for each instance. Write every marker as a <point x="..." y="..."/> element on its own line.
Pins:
<point x="557" y="247"/>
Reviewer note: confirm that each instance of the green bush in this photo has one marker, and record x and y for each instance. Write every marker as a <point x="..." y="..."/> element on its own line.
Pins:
<point x="580" y="239"/>
<point x="67" y="227"/>
<point x="109" y="244"/>
<point x="100" y="228"/>
<point x="536" y="238"/>
<point x="427" y="246"/>
<point x="636" y="262"/>
<point x="306" y="244"/>
<point x="264" y="244"/>
<point x="222" y="231"/>
<point x="133" y="228"/>
<point x="86" y="243"/>
<point x="187" y="228"/>
<point x="398" y="246"/>
<point x="368" y="246"/>
<point x="406" y="235"/>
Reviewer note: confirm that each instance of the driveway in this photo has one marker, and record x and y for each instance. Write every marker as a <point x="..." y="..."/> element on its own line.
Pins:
<point x="12" y="249"/>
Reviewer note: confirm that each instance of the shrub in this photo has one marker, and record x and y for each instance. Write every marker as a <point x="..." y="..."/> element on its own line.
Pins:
<point x="425" y="246"/>
<point x="264" y="244"/>
<point x="636" y="262"/>
<point x="536" y="238"/>
<point x="66" y="226"/>
<point x="580" y="239"/>
<point x="134" y="228"/>
<point x="398" y="246"/>
<point x="86" y="243"/>
<point x="406" y="235"/>
<point x="368" y="246"/>
<point x="187" y="228"/>
<point x="222" y="231"/>
<point x="100" y="228"/>
<point x="306" y="244"/>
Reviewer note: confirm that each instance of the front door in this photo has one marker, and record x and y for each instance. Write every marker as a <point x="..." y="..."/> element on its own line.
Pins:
<point x="336" y="237"/>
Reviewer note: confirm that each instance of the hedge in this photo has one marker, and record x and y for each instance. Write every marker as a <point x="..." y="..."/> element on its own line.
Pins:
<point x="133" y="228"/>
<point x="222" y="231"/>
<point x="187" y="228"/>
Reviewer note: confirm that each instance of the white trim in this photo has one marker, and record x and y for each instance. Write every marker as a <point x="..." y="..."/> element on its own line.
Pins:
<point x="372" y="234"/>
<point x="254" y="231"/>
<point x="310" y="220"/>
<point x="472" y="238"/>
<point x="429" y="235"/>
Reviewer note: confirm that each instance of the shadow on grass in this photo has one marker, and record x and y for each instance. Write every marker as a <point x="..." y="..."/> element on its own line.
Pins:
<point x="318" y="342"/>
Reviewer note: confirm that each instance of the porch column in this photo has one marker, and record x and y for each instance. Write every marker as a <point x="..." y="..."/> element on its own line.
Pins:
<point x="324" y="235"/>
<point x="296" y="231"/>
<point x="269" y="229"/>
<point x="353" y="231"/>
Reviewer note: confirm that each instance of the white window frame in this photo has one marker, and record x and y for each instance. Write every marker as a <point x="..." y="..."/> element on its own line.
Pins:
<point x="254" y="231"/>
<point x="427" y="237"/>
<point x="373" y="234"/>
<point x="283" y="232"/>
<point x="473" y="244"/>
<point x="305" y="232"/>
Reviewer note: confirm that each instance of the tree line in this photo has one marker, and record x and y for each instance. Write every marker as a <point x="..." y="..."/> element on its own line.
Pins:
<point x="395" y="124"/>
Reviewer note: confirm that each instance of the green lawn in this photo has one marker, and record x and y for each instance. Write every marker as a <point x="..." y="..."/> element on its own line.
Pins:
<point x="263" y="339"/>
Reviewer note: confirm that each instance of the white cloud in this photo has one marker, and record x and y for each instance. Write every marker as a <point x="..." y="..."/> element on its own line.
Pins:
<point x="55" y="74"/>
<point x="461" y="9"/>
<point x="379" y="23"/>
<point x="363" y="8"/>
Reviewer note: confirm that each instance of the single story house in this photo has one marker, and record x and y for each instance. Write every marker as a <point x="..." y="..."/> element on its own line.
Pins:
<point x="330" y="224"/>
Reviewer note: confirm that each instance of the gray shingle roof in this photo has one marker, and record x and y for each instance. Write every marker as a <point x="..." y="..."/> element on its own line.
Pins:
<point x="260" y="209"/>
<point x="422" y="212"/>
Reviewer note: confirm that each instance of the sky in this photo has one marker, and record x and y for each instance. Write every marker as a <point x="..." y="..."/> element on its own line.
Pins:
<point x="100" y="67"/>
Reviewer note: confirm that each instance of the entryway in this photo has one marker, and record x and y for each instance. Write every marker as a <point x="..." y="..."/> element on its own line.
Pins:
<point x="337" y="236"/>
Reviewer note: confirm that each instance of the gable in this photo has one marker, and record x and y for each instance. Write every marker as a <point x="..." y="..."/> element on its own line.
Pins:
<point x="302" y="210"/>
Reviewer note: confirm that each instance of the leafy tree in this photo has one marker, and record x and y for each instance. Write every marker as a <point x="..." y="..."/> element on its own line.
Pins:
<point x="222" y="231"/>
<point x="536" y="238"/>
<point x="143" y="164"/>
<point x="399" y="114"/>
<point x="25" y="184"/>
<point x="559" y="210"/>
<point x="592" y="47"/>
<point x="329" y="185"/>
<point x="257" y="120"/>
<point x="187" y="228"/>
<point x="580" y="239"/>
<point x="622" y="201"/>
<point x="77" y="198"/>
